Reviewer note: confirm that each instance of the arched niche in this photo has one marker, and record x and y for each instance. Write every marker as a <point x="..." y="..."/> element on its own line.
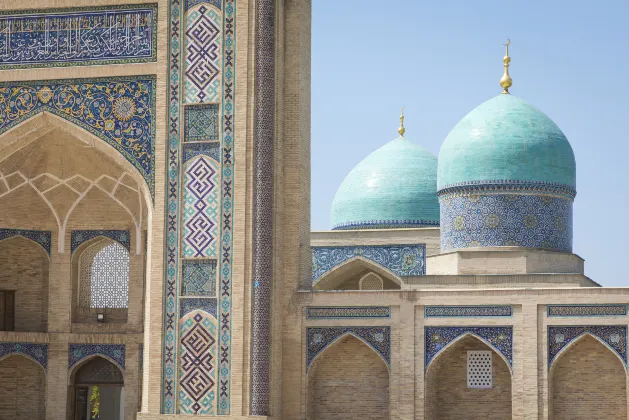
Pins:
<point x="347" y="276"/>
<point x="348" y="380"/>
<point x="97" y="382"/>
<point x="22" y="388"/>
<point x="587" y="380"/>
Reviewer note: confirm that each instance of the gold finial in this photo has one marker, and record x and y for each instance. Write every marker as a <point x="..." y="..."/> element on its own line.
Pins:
<point x="402" y="130"/>
<point x="505" y="80"/>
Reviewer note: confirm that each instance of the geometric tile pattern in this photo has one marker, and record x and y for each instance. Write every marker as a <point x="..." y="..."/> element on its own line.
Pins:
<point x="36" y="352"/>
<point x="40" y="237"/>
<point x="378" y="338"/>
<point x="613" y="336"/>
<point x="201" y="122"/>
<point x="78" y="237"/>
<point x="198" y="363"/>
<point x="203" y="54"/>
<point x="403" y="260"/>
<point x="200" y="208"/>
<point x="114" y="352"/>
<point x="192" y="3"/>
<point x="191" y="150"/>
<point x="109" y="35"/>
<point x="465" y="311"/>
<point x="198" y="278"/>
<point x="118" y="110"/>
<point x="173" y="223"/>
<point x="532" y="221"/>
<point x="187" y="305"/>
<point x="348" y="312"/>
<point x="587" y="310"/>
<point x="438" y="338"/>
<point x="386" y="224"/>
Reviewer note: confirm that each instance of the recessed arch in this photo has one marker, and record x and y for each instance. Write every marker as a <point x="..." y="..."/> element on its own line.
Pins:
<point x="575" y="341"/>
<point x="334" y="277"/>
<point x="79" y="364"/>
<point x="23" y="388"/>
<point x="21" y="236"/>
<point x="338" y="340"/>
<point x="26" y="356"/>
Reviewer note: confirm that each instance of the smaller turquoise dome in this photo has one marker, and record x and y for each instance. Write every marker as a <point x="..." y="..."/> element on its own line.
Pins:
<point x="393" y="187"/>
<point x="506" y="139"/>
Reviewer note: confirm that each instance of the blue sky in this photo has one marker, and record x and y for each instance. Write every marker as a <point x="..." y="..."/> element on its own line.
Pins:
<point x="441" y="59"/>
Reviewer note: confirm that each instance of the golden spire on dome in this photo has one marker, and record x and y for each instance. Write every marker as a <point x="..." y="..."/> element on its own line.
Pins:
<point x="505" y="80"/>
<point x="402" y="130"/>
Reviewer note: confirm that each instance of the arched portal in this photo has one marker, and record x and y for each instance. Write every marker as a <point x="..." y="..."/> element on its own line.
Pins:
<point x="98" y="387"/>
<point x="22" y="389"/>
<point x="348" y="381"/>
<point x="468" y="380"/>
<point x="588" y="381"/>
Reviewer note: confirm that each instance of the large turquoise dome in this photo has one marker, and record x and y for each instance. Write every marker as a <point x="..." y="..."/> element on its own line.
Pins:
<point x="393" y="187"/>
<point x="506" y="139"/>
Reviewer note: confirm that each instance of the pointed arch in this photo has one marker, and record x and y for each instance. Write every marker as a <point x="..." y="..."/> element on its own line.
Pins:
<point x="23" y="388"/>
<point x="85" y="360"/>
<point x="338" y="340"/>
<point x="25" y="234"/>
<point x="575" y="341"/>
<point x="25" y="356"/>
<point x="334" y="277"/>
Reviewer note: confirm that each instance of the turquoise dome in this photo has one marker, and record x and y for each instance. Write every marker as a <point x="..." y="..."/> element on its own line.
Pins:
<point x="393" y="187"/>
<point x="506" y="139"/>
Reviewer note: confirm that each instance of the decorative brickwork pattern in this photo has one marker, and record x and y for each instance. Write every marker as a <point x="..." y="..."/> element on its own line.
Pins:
<point x="202" y="122"/>
<point x="41" y="237"/>
<point x="614" y="336"/>
<point x="466" y="311"/>
<point x="403" y="260"/>
<point x="113" y="352"/>
<point x="318" y="339"/>
<point x="79" y="237"/>
<point x="67" y="37"/>
<point x="499" y="338"/>
<point x="587" y="310"/>
<point x="199" y="278"/>
<point x="348" y="312"/>
<point x="36" y="352"/>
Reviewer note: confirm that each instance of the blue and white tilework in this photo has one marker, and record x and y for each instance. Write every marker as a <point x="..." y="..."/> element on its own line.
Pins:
<point x="378" y="338"/>
<point x="78" y="237"/>
<point x="466" y="311"/>
<point x="202" y="122"/>
<point x="438" y="338"/>
<point x="114" y="352"/>
<point x="587" y="310"/>
<point x="198" y="278"/>
<point x="41" y="237"/>
<point x="403" y="260"/>
<point x="187" y="305"/>
<point x="614" y="336"/>
<point x="36" y="352"/>
<point x="88" y="36"/>
<point x="118" y="110"/>
<point x="348" y="312"/>
<point x="192" y="150"/>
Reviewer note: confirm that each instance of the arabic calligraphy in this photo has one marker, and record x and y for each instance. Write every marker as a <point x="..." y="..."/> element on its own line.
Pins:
<point x="124" y="34"/>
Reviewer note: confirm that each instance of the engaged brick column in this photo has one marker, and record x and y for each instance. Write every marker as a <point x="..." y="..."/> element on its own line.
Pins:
<point x="406" y="380"/>
<point x="60" y="290"/>
<point x="525" y="388"/>
<point x="131" y="385"/>
<point x="57" y="385"/>
<point x="136" y="284"/>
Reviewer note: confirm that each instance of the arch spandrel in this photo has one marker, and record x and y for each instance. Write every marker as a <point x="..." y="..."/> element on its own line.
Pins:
<point x="562" y="339"/>
<point x="339" y="274"/>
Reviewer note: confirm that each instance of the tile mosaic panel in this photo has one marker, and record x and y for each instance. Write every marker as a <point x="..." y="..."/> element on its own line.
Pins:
<point x="36" y="352"/>
<point x="187" y="305"/>
<point x="348" y="312"/>
<point x="438" y="338"/>
<point x="532" y="221"/>
<point x="198" y="364"/>
<point x="66" y="37"/>
<point x="115" y="352"/>
<point x="78" y="237"/>
<point x="203" y="54"/>
<point x="192" y="150"/>
<point x="614" y="336"/>
<point x="41" y="237"/>
<point x="201" y="198"/>
<point x="466" y="311"/>
<point x="587" y="310"/>
<point x="318" y="339"/>
<point x="189" y="4"/>
<point x="387" y="224"/>
<point x="202" y="122"/>
<point x="118" y="110"/>
<point x="198" y="278"/>
<point x="403" y="260"/>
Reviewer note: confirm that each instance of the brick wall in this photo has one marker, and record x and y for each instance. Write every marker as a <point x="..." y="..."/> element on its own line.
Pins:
<point x="22" y="389"/>
<point x="588" y="382"/>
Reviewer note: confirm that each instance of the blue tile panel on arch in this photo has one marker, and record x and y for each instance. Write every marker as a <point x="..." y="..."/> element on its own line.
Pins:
<point x="78" y="36"/>
<point x="118" y="110"/>
<point x="187" y="305"/>
<point x="318" y="339"/>
<point x="192" y="3"/>
<point x="173" y="222"/>
<point x="403" y="260"/>
<point x="614" y="336"/>
<point x="198" y="278"/>
<point x="348" y="312"/>
<point x="466" y="311"/>
<point x="37" y="352"/>
<point x="192" y="150"/>
<point x="437" y="338"/>
<point x="514" y="219"/>
<point x="41" y="237"/>
<point x="78" y="352"/>
<point x="78" y="237"/>
<point x="587" y="310"/>
<point x="202" y="122"/>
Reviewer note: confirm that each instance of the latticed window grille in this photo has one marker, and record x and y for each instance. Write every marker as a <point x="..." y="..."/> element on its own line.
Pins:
<point x="104" y="276"/>
<point x="371" y="281"/>
<point x="479" y="373"/>
<point x="99" y="371"/>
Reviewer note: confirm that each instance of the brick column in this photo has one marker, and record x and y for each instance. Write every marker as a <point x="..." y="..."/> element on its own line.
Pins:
<point x="527" y="386"/>
<point x="406" y="379"/>
<point x="131" y="378"/>
<point x="57" y="385"/>
<point x="60" y="290"/>
<point x="136" y="296"/>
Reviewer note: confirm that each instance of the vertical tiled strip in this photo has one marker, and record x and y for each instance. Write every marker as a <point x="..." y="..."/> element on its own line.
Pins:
<point x="263" y="204"/>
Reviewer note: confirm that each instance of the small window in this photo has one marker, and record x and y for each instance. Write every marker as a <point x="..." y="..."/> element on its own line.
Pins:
<point x="479" y="369"/>
<point x="104" y="276"/>
<point x="7" y="310"/>
<point x="371" y="281"/>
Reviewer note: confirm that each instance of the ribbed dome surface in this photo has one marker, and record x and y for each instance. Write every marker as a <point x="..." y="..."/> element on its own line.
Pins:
<point x="393" y="187"/>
